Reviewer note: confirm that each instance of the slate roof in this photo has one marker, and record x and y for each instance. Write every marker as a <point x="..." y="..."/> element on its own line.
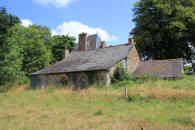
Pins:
<point x="97" y="59"/>
<point x="160" y="68"/>
<point x="93" y="42"/>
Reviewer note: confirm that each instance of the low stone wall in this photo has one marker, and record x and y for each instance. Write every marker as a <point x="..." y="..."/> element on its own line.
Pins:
<point x="77" y="80"/>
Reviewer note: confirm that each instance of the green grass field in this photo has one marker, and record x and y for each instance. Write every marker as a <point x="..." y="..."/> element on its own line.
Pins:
<point x="153" y="105"/>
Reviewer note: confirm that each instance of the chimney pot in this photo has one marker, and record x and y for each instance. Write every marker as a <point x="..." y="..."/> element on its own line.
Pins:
<point x="131" y="41"/>
<point x="65" y="52"/>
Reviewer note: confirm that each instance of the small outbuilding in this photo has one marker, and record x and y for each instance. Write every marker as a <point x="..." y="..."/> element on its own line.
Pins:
<point x="171" y="68"/>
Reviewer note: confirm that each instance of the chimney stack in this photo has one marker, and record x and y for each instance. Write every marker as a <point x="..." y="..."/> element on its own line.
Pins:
<point x="65" y="52"/>
<point x="82" y="42"/>
<point x="131" y="41"/>
<point x="103" y="44"/>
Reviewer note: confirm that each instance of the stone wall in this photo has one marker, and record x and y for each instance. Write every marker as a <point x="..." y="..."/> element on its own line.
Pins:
<point x="76" y="80"/>
<point x="132" y="60"/>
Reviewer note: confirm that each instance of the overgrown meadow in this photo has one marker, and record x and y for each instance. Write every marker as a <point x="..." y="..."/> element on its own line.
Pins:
<point x="151" y="104"/>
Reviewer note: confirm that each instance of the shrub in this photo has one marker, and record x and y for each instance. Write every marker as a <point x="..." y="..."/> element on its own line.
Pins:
<point x="120" y="73"/>
<point x="142" y="78"/>
<point x="22" y="81"/>
<point x="121" y="76"/>
<point x="187" y="69"/>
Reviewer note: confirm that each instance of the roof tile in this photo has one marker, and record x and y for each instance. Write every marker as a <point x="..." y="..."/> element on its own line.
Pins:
<point x="160" y="68"/>
<point x="97" y="59"/>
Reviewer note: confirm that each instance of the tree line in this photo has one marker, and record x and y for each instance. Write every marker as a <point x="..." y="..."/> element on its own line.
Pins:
<point x="24" y="50"/>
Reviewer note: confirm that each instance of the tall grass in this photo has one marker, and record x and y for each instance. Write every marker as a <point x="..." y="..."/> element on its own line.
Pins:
<point x="185" y="82"/>
<point x="154" y="105"/>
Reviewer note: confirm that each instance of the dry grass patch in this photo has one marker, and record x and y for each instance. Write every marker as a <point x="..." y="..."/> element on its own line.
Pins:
<point x="160" y="93"/>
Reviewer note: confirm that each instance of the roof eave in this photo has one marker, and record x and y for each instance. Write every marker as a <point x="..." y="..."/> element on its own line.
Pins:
<point x="68" y="72"/>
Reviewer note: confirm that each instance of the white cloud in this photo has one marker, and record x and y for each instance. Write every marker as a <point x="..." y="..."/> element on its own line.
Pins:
<point x="26" y="22"/>
<point x="73" y="28"/>
<point x="56" y="3"/>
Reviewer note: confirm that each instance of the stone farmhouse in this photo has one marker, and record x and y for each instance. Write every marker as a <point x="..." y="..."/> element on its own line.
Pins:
<point x="92" y="62"/>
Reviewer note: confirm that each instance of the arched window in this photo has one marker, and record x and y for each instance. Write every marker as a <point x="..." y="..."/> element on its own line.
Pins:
<point x="64" y="81"/>
<point x="83" y="81"/>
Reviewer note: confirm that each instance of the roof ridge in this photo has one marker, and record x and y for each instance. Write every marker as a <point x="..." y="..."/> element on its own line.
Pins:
<point x="105" y="47"/>
<point x="164" y="60"/>
<point x="92" y="35"/>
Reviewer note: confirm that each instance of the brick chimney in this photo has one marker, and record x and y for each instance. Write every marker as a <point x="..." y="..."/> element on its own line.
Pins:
<point x="131" y="41"/>
<point x="103" y="44"/>
<point x="82" y="42"/>
<point x="65" y="52"/>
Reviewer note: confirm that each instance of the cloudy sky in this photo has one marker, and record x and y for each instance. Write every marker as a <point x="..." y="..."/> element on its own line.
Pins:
<point x="111" y="19"/>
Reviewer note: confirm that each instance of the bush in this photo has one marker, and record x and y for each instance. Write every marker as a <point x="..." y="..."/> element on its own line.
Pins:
<point x="120" y="73"/>
<point x="187" y="69"/>
<point x="131" y="80"/>
<point x="142" y="78"/>
<point x="24" y="80"/>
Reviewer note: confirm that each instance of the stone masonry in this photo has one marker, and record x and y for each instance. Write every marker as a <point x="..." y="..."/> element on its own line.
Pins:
<point x="77" y="80"/>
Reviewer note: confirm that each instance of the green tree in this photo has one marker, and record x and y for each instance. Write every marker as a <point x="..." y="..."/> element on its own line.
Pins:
<point x="45" y="35"/>
<point x="24" y="52"/>
<point x="165" y="28"/>
<point x="10" y="70"/>
<point x="60" y="42"/>
<point x="6" y="22"/>
<point x="36" y="54"/>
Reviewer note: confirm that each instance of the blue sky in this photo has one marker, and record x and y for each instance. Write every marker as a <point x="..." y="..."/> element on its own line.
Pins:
<point x="112" y="19"/>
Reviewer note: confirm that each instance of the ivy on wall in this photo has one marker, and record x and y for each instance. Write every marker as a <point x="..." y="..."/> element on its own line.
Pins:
<point x="91" y="77"/>
<point x="74" y="78"/>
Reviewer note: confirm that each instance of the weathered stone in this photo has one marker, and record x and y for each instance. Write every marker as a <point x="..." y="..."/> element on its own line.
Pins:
<point x="78" y="80"/>
<point x="132" y="60"/>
